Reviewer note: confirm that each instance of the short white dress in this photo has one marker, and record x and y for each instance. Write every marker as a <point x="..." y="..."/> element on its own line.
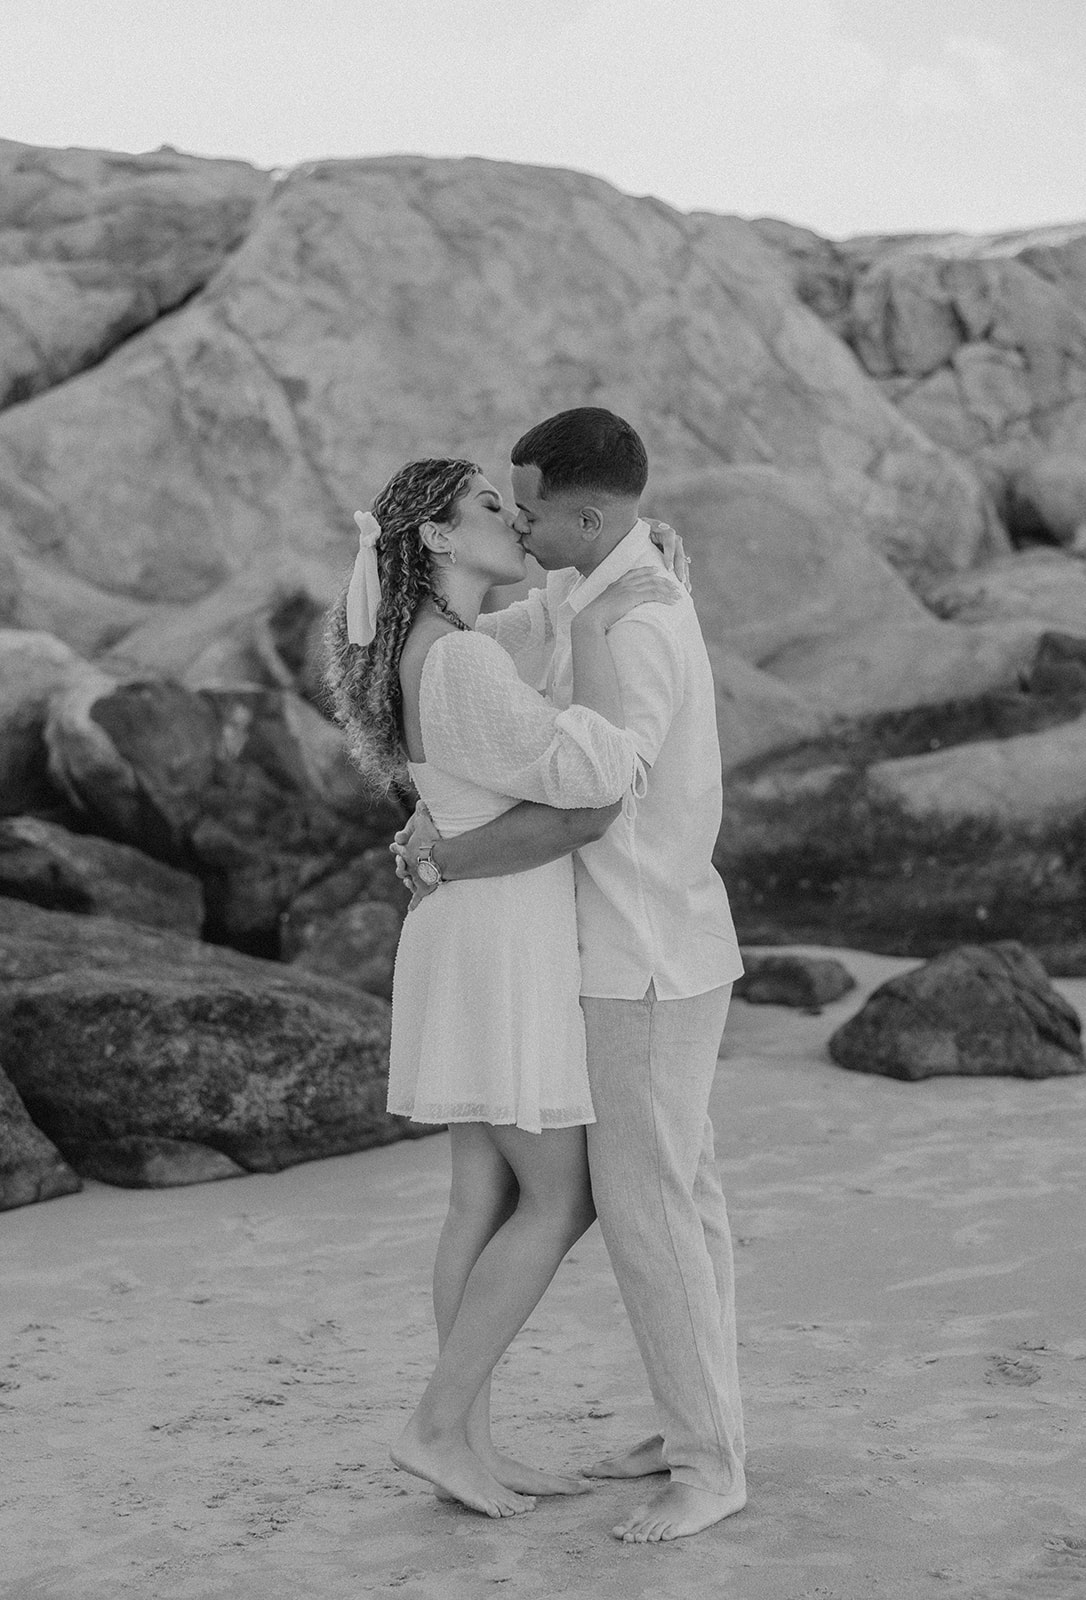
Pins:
<point x="486" y="1017"/>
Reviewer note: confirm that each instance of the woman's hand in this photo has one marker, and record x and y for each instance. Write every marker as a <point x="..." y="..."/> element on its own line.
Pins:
<point x="641" y="586"/>
<point x="671" y="547"/>
<point x="419" y="830"/>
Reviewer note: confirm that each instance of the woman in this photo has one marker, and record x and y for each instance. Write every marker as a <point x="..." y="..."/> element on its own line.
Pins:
<point x="487" y="1033"/>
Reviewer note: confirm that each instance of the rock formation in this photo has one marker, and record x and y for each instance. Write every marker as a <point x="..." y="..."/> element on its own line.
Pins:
<point x="61" y="871"/>
<point x="976" y="1010"/>
<point x="809" y="982"/>
<point x="875" y="450"/>
<point x="147" y="1057"/>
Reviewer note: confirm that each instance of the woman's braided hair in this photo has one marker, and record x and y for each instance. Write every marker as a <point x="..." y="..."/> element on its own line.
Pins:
<point x="363" y="681"/>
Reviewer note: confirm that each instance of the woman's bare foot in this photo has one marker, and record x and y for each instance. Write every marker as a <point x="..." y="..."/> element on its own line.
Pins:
<point x="457" y="1474"/>
<point x="676" y="1512"/>
<point x="640" y="1462"/>
<point x="516" y="1475"/>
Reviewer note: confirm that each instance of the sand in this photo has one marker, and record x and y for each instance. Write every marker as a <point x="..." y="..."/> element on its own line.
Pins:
<point x="198" y="1386"/>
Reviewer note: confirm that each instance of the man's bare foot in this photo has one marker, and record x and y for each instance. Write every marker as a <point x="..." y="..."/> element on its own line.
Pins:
<point x="676" y="1512"/>
<point x="457" y="1474"/>
<point x="640" y="1462"/>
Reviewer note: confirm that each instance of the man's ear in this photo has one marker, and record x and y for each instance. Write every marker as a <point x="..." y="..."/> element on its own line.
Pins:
<point x="591" y="521"/>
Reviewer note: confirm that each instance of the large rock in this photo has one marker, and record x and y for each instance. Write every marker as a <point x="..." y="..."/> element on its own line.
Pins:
<point x="1044" y="585"/>
<point x="95" y="245"/>
<point x="33" y="667"/>
<point x="150" y="1058"/>
<point x="31" y="1168"/>
<point x="347" y="926"/>
<point x="281" y="397"/>
<point x="980" y="341"/>
<point x="62" y="871"/>
<point x="248" y="788"/>
<point x="1033" y="778"/>
<point x="858" y="835"/>
<point x="978" y="1010"/>
<point x="809" y="982"/>
<point x="785" y="577"/>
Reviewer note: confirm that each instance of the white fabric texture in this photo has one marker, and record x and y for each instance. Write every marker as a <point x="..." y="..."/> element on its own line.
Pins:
<point x="481" y="722"/>
<point x="651" y="907"/>
<point x="525" y="632"/>
<point x="486" y="1020"/>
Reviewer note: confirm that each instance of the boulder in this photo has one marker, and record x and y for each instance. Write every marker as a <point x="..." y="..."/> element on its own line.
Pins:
<point x="149" y="1058"/>
<point x="976" y="1011"/>
<point x="356" y="945"/>
<point x="280" y="398"/>
<point x="96" y="245"/>
<point x="1045" y="585"/>
<point x="980" y="341"/>
<point x="786" y="582"/>
<point x="347" y="926"/>
<point x="809" y="982"/>
<point x="62" y="871"/>
<point x="248" y="788"/>
<point x="31" y="1168"/>
<point x="1031" y="778"/>
<point x="33" y="667"/>
<point x="253" y="629"/>
<point x="853" y="837"/>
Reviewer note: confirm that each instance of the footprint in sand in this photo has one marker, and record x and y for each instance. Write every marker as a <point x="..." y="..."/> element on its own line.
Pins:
<point x="1012" y="1369"/>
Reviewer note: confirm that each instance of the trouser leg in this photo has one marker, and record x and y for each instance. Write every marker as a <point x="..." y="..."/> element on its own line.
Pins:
<point x="713" y="1211"/>
<point x="651" y="1065"/>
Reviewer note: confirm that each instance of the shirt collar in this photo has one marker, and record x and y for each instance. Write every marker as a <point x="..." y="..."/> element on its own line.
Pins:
<point x="628" y="553"/>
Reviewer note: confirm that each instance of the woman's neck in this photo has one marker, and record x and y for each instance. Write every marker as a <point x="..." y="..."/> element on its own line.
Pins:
<point x="462" y="592"/>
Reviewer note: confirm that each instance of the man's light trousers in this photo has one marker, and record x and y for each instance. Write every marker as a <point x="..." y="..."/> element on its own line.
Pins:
<point x="662" y="1213"/>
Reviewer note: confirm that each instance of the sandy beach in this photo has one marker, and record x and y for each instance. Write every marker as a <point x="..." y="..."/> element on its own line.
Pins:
<point x="198" y="1386"/>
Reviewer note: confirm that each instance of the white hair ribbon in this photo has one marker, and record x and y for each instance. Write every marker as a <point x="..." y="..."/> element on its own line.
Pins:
<point x="364" y="592"/>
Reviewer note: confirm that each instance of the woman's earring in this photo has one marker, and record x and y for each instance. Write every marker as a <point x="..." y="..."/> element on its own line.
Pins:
<point x="452" y="556"/>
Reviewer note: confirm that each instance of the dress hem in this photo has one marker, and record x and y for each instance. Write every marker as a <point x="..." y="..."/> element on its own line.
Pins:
<point x="440" y="1116"/>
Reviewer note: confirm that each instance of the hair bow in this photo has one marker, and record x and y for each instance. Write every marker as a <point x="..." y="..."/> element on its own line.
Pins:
<point x="364" y="591"/>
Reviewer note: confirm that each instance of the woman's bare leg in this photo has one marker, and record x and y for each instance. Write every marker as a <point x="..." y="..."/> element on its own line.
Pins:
<point x="504" y="1286"/>
<point x="483" y="1196"/>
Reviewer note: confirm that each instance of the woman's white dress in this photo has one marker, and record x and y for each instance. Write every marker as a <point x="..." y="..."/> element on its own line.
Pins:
<point x="486" y="1016"/>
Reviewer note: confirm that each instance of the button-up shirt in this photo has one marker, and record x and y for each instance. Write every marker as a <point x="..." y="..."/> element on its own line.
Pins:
<point x="651" y="907"/>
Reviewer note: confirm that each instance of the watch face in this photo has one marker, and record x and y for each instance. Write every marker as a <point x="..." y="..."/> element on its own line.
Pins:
<point x="429" y="873"/>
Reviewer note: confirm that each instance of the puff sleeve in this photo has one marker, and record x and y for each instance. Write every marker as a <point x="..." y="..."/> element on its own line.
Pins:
<point x="480" y="722"/>
<point x="524" y="632"/>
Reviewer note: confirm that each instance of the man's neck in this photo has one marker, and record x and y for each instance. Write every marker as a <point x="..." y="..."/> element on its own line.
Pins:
<point x="601" y="547"/>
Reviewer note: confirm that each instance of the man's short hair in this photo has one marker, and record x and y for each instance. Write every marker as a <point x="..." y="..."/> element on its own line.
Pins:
<point x="587" y="448"/>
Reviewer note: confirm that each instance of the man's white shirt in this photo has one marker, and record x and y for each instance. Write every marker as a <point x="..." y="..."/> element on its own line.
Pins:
<point x="651" y="906"/>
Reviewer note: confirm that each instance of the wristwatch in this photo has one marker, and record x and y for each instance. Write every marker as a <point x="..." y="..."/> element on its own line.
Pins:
<point x="427" y="868"/>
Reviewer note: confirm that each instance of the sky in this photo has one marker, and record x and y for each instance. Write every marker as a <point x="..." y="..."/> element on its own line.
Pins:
<point x="846" y="116"/>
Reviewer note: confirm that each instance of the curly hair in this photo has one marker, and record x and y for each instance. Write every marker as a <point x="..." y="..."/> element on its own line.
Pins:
<point x="363" y="681"/>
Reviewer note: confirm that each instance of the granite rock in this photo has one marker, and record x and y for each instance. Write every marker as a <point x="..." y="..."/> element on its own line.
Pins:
<point x="31" y="1167"/>
<point x="809" y="982"/>
<point x="118" y="1038"/>
<point x="975" y="1011"/>
<point x="248" y="788"/>
<point x="63" y="871"/>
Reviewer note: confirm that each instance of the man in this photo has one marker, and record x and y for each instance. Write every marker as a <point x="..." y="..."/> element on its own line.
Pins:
<point x="658" y="953"/>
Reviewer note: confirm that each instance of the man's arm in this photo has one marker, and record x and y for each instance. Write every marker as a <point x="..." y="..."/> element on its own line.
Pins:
<point x="528" y="835"/>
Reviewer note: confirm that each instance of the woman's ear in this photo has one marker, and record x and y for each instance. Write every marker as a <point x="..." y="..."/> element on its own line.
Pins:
<point x="432" y="537"/>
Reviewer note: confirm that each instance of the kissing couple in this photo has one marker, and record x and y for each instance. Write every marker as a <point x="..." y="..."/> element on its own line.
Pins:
<point x="563" y="977"/>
